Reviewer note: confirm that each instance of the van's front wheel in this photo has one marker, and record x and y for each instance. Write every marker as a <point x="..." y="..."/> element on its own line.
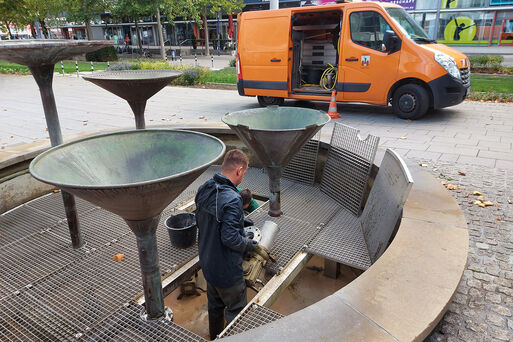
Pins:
<point x="410" y="101"/>
<point x="265" y="101"/>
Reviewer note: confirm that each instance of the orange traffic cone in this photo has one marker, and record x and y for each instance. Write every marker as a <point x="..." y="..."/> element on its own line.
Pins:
<point x="332" y="112"/>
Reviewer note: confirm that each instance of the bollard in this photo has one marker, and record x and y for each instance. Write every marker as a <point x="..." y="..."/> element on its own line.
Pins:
<point x="62" y="68"/>
<point x="92" y="66"/>
<point x="212" y="59"/>
<point x="108" y="64"/>
<point x="76" y="67"/>
<point x="195" y="60"/>
<point x="181" y="60"/>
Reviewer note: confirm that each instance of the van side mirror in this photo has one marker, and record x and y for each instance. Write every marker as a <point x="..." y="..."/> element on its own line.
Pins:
<point x="390" y="40"/>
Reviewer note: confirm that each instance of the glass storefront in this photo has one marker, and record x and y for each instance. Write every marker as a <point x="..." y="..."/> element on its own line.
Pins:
<point x="464" y="28"/>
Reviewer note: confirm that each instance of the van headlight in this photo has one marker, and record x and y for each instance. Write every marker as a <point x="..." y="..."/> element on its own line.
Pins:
<point x="448" y="63"/>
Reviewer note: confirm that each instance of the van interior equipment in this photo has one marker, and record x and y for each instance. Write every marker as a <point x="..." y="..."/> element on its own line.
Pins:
<point x="316" y="40"/>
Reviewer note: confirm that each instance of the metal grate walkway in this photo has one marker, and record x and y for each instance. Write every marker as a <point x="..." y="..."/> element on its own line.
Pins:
<point x="253" y="317"/>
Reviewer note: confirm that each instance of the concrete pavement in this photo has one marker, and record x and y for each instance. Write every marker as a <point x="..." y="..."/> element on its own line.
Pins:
<point x="470" y="133"/>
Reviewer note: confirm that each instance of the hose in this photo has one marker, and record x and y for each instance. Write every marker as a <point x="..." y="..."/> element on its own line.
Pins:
<point x="325" y="82"/>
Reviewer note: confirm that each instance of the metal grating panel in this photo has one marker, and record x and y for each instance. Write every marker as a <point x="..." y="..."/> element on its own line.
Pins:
<point x="24" y="318"/>
<point x="33" y="258"/>
<point x="21" y="223"/>
<point x="302" y="167"/>
<point x="257" y="181"/>
<point x="308" y="204"/>
<point x="126" y="325"/>
<point x="342" y="241"/>
<point x="253" y="317"/>
<point x="98" y="227"/>
<point x="52" y="204"/>
<point x="348" y="167"/>
<point x="293" y="236"/>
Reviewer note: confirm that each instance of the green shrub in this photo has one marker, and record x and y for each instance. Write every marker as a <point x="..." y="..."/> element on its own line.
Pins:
<point x="105" y="54"/>
<point x="232" y="63"/>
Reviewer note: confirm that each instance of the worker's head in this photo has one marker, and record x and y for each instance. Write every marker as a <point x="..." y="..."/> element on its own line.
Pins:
<point x="247" y="197"/>
<point x="235" y="165"/>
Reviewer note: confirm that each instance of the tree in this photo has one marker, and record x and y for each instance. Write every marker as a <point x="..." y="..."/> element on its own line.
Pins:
<point x="42" y="11"/>
<point x="213" y="7"/>
<point x="85" y="11"/>
<point x="12" y="12"/>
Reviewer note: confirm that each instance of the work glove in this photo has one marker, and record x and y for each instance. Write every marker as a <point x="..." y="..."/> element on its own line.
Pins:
<point x="251" y="245"/>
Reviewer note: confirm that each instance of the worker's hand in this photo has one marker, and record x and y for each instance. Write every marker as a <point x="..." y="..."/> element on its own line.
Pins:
<point x="264" y="253"/>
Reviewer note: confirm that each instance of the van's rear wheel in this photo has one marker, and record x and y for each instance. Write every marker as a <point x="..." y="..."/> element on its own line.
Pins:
<point x="265" y="101"/>
<point x="410" y="101"/>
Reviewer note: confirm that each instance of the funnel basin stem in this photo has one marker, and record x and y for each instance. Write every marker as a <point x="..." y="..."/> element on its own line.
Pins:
<point x="138" y="107"/>
<point x="149" y="261"/>
<point x="43" y="75"/>
<point x="274" y="173"/>
<point x="71" y="214"/>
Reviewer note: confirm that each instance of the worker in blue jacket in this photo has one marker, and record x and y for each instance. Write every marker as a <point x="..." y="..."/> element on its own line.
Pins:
<point x="222" y="242"/>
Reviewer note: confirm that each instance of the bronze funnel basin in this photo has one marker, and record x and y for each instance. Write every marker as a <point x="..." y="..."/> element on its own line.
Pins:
<point x="135" y="86"/>
<point x="134" y="174"/>
<point x="275" y="134"/>
<point x="40" y="56"/>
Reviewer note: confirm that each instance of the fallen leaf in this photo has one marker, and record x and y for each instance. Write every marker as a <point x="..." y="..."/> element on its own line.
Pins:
<point x="56" y="191"/>
<point x="151" y="120"/>
<point x="481" y="198"/>
<point x="402" y="138"/>
<point x="119" y="257"/>
<point x="498" y="219"/>
<point x="423" y="164"/>
<point x="452" y="187"/>
<point x="461" y="173"/>
<point x="488" y="203"/>
<point x="510" y="201"/>
<point x="470" y="202"/>
<point x="163" y="119"/>
<point x="202" y="117"/>
<point x="5" y="110"/>
<point x="467" y="195"/>
<point x="444" y="183"/>
<point x="2" y="148"/>
<point x="84" y="124"/>
<point x="12" y="136"/>
<point x="476" y="193"/>
<point x="46" y="129"/>
<point x="410" y="120"/>
<point x="480" y="204"/>
<point x="498" y="205"/>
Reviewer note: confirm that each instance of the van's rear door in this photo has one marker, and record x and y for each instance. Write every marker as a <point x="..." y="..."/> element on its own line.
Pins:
<point x="263" y="52"/>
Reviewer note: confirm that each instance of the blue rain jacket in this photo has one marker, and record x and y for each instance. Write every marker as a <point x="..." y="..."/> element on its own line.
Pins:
<point x="221" y="240"/>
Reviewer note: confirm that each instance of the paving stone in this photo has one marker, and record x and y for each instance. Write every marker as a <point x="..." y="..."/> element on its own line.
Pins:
<point x="496" y="320"/>
<point x="501" y="334"/>
<point x="474" y="283"/>
<point x="501" y="310"/>
<point x="482" y="245"/>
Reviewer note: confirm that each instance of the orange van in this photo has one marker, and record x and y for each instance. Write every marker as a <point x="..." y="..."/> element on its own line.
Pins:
<point x="366" y="51"/>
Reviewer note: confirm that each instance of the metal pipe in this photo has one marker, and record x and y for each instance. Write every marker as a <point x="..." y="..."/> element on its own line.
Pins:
<point x="144" y="231"/>
<point x="274" y="4"/>
<point x="138" y="108"/>
<point x="274" y="173"/>
<point x="269" y="232"/>
<point x="43" y="75"/>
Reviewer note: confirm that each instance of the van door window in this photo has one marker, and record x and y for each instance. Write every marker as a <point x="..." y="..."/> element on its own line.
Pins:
<point x="368" y="28"/>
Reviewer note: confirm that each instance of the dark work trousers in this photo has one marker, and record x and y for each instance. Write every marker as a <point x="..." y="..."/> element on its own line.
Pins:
<point x="233" y="299"/>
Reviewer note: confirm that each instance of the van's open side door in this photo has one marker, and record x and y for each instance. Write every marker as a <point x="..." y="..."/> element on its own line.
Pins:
<point x="368" y="71"/>
<point x="263" y="50"/>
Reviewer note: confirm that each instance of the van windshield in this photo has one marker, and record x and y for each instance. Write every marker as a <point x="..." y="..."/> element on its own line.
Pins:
<point x="409" y="26"/>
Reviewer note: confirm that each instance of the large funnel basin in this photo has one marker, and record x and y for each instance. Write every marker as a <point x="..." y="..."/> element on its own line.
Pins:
<point x="135" y="86"/>
<point x="275" y="135"/>
<point x="134" y="174"/>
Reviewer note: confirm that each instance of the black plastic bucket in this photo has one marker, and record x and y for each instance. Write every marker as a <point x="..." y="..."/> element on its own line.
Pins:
<point x="182" y="229"/>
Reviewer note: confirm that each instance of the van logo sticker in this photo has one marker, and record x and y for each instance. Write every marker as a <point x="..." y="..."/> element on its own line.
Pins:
<point x="365" y="61"/>
<point x="464" y="63"/>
